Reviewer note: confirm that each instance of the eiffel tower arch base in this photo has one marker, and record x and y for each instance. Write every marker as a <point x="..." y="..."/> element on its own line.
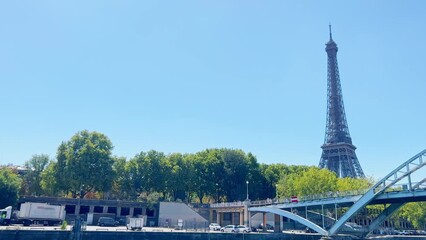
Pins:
<point x="341" y="159"/>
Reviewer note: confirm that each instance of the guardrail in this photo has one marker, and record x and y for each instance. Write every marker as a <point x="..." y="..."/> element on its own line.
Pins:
<point x="316" y="197"/>
<point x="227" y="204"/>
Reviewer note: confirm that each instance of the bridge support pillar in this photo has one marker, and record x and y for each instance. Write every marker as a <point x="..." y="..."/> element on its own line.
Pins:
<point x="246" y="213"/>
<point x="77" y="209"/>
<point x="232" y="218"/>
<point x="264" y="222"/>
<point x="218" y="219"/>
<point x="277" y="223"/>
<point x="131" y="211"/>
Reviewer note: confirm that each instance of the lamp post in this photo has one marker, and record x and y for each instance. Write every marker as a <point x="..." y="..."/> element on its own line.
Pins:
<point x="77" y="222"/>
<point x="217" y="192"/>
<point x="247" y="182"/>
<point x="246" y="208"/>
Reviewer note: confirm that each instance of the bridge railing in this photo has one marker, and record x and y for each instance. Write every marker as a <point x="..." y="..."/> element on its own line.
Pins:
<point x="397" y="187"/>
<point x="332" y="195"/>
<point x="287" y="200"/>
<point x="227" y="204"/>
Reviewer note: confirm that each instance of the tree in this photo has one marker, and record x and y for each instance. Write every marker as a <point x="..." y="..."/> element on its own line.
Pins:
<point x="86" y="163"/>
<point x="272" y="174"/>
<point x="414" y="212"/>
<point x="199" y="179"/>
<point x="236" y="174"/>
<point x="316" y="181"/>
<point x="310" y="182"/>
<point x="48" y="181"/>
<point x="61" y="173"/>
<point x="178" y="180"/>
<point x="258" y="186"/>
<point x="9" y="187"/>
<point x="121" y="188"/>
<point x="158" y="171"/>
<point x="35" y="166"/>
<point x="351" y="184"/>
<point x="147" y="172"/>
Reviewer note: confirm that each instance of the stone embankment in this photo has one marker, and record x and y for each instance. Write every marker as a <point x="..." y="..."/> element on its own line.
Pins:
<point x="105" y="235"/>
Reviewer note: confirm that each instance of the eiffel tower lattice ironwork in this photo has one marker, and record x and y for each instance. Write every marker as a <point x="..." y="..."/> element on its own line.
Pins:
<point x="338" y="152"/>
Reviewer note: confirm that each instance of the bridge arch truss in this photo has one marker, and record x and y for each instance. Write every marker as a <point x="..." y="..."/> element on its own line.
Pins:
<point x="404" y="171"/>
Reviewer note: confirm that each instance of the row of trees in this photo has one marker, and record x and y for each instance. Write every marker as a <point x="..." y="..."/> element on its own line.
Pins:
<point x="85" y="165"/>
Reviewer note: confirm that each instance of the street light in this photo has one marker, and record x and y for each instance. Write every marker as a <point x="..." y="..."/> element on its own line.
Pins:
<point x="217" y="192"/>
<point x="247" y="182"/>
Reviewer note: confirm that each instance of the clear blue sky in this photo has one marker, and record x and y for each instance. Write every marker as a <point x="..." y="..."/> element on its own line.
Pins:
<point x="183" y="76"/>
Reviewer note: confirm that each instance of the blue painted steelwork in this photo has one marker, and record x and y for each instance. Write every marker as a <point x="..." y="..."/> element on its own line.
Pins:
<point x="401" y="172"/>
<point x="380" y="193"/>
<point x="292" y="216"/>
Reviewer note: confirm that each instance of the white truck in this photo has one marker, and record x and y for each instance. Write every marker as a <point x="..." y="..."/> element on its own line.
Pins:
<point x="5" y="215"/>
<point x="135" y="224"/>
<point x="35" y="213"/>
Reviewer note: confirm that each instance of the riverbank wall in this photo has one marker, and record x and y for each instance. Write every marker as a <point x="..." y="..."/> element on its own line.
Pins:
<point x="104" y="235"/>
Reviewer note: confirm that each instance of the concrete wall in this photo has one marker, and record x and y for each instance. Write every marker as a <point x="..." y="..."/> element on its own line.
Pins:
<point x="92" y="235"/>
<point x="67" y="235"/>
<point x="170" y="212"/>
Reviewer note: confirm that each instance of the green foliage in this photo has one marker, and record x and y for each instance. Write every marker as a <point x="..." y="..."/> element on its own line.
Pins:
<point x="350" y="184"/>
<point x="303" y="182"/>
<point x="222" y="175"/>
<point x="179" y="172"/>
<point x="147" y="172"/>
<point x="151" y="198"/>
<point x="32" y="180"/>
<point x="314" y="181"/>
<point x="415" y="213"/>
<point x="85" y="163"/>
<point x="61" y="173"/>
<point x="64" y="225"/>
<point x="48" y="181"/>
<point x="10" y="184"/>
<point x="209" y="175"/>
<point x="274" y="173"/>
<point x="121" y="184"/>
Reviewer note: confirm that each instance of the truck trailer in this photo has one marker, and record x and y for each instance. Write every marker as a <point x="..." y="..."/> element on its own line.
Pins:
<point x="135" y="224"/>
<point x="35" y="213"/>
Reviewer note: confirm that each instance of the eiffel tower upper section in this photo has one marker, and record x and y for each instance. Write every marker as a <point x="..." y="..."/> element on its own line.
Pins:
<point x="338" y="153"/>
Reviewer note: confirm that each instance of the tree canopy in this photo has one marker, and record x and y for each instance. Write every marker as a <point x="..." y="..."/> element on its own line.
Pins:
<point x="35" y="167"/>
<point x="10" y="184"/>
<point x="85" y="163"/>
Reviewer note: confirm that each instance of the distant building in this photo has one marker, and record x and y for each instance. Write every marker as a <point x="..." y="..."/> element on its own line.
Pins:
<point x="20" y="170"/>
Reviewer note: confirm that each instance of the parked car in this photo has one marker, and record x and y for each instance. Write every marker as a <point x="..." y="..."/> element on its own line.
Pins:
<point x="229" y="228"/>
<point x="214" y="227"/>
<point x="268" y="226"/>
<point x="242" y="228"/>
<point x="107" y="221"/>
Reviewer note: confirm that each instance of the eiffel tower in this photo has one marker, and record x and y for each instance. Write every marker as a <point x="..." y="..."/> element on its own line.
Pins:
<point x="338" y="152"/>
